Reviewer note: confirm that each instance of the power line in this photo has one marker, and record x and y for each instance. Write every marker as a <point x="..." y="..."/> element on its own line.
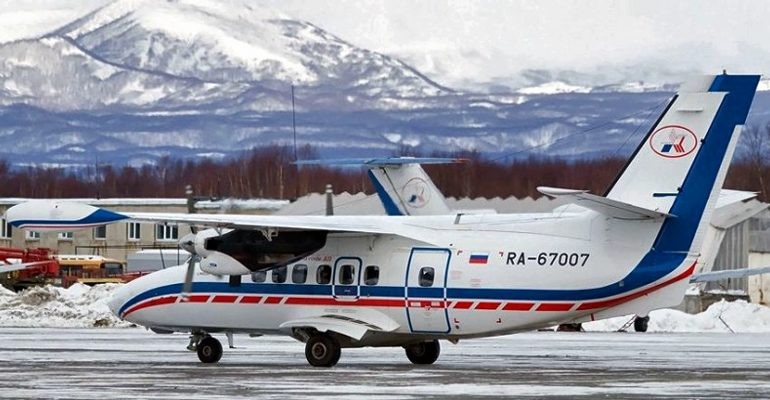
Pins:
<point x="649" y="110"/>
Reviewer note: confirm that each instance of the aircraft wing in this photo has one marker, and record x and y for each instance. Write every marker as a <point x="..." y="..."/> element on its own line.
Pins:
<point x="728" y="274"/>
<point x="351" y="328"/>
<point x="62" y="215"/>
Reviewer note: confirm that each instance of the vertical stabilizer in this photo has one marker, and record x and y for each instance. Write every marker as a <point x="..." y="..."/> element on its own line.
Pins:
<point x="407" y="190"/>
<point x="680" y="166"/>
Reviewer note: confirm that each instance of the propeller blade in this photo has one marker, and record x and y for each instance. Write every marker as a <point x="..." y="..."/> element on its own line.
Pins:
<point x="187" y="286"/>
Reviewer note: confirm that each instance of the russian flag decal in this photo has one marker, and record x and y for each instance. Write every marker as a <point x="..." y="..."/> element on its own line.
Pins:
<point x="478" y="258"/>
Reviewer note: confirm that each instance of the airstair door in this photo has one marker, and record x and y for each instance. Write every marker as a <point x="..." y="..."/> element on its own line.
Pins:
<point x="426" y="276"/>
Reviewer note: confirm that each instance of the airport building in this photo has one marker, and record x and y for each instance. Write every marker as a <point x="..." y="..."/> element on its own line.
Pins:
<point x="118" y="241"/>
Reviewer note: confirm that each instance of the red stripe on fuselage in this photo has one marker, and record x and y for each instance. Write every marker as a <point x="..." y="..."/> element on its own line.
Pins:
<point x="150" y="303"/>
<point x="199" y="298"/>
<point x="518" y="306"/>
<point x="555" y="307"/>
<point x="223" y="298"/>
<point x="487" y="305"/>
<point x="250" y="299"/>
<point x="632" y="296"/>
<point x="462" y="305"/>
<point x="368" y="302"/>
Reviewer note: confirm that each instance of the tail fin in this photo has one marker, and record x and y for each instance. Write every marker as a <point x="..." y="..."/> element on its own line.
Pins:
<point x="407" y="190"/>
<point x="680" y="166"/>
<point x="402" y="185"/>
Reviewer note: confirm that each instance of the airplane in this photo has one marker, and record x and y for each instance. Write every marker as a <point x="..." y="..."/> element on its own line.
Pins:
<point x="337" y="282"/>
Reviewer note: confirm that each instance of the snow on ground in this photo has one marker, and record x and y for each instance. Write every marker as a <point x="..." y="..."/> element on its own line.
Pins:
<point x="78" y="306"/>
<point x="739" y="315"/>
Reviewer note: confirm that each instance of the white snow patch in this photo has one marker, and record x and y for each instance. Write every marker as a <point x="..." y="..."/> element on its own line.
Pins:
<point x="739" y="315"/>
<point x="242" y="204"/>
<point x="78" y="306"/>
<point x="554" y="88"/>
<point x="392" y="137"/>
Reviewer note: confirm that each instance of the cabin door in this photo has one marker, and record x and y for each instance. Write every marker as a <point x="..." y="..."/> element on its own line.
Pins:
<point x="426" y="277"/>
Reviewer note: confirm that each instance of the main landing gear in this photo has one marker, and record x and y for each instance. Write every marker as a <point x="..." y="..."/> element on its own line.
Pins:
<point x="423" y="353"/>
<point x="208" y="348"/>
<point x="322" y="350"/>
<point x="640" y="323"/>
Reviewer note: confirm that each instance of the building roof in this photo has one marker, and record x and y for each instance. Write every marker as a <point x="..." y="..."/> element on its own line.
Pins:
<point x="224" y="204"/>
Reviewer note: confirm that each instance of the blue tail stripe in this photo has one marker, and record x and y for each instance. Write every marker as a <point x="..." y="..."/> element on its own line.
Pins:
<point x="387" y="202"/>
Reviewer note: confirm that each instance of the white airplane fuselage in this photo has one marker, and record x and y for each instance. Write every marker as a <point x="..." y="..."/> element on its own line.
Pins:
<point x="496" y="274"/>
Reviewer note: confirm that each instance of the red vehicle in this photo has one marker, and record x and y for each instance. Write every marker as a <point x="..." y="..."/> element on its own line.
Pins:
<point x="29" y="267"/>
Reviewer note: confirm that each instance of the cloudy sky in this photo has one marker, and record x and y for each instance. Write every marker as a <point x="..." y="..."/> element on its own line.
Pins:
<point x="466" y="43"/>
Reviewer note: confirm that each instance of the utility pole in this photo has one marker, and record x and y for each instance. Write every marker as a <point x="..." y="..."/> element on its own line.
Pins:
<point x="294" y="130"/>
<point x="329" y="200"/>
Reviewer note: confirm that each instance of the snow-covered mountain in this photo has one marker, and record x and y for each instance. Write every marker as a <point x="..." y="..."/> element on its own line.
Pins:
<point x="135" y="80"/>
<point x="141" y="53"/>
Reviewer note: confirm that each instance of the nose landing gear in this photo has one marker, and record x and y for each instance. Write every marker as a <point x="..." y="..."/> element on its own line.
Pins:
<point x="208" y="348"/>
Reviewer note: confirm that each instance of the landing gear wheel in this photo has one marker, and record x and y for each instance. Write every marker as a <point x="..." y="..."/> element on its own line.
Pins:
<point x="640" y="323"/>
<point x="322" y="351"/>
<point x="423" y="353"/>
<point x="209" y="350"/>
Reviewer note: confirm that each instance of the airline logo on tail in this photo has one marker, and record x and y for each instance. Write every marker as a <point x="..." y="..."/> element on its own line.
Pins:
<point x="416" y="193"/>
<point x="673" y="141"/>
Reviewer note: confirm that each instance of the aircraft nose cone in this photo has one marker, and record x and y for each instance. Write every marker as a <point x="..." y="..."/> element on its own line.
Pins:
<point x="119" y="298"/>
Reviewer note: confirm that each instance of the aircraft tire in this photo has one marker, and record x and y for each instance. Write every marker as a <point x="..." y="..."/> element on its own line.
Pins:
<point x="423" y="353"/>
<point x="322" y="350"/>
<point x="209" y="350"/>
<point x="640" y="323"/>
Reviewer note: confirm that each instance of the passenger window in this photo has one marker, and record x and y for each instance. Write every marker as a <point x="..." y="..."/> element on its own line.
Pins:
<point x="279" y="274"/>
<point x="324" y="274"/>
<point x="258" y="276"/>
<point x="371" y="275"/>
<point x="426" y="276"/>
<point x="299" y="273"/>
<point x="347" y="274"/>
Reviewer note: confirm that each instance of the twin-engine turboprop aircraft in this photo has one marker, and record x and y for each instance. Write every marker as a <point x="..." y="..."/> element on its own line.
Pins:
<point x="410" y="281"/>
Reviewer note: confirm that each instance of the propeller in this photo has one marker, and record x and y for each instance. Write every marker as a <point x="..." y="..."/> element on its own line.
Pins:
<point x="188" y="243"/>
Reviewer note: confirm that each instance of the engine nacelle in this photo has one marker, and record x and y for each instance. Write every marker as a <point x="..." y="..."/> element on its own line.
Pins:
<point x="217" y="263"/>
<point x="200" y="240"/>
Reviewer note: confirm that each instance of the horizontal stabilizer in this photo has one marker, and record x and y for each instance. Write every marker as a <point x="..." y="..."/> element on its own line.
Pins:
<point x="603" y="205"/>
<point x="20" y="266"/>
<point x="383" y="161"/>
<point x="728" y="274"/>
<point x="56" y="215"/>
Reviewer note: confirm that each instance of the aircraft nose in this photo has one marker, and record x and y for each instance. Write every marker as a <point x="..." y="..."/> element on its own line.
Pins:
<point x="116" y="301"/>
<point x="120" y="296"/>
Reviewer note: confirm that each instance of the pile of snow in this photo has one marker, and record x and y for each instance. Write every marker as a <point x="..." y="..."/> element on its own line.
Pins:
<point x="739" y="315"/>
<point x="79" y="306"/>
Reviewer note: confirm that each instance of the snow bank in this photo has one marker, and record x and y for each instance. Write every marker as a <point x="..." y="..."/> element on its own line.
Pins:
<point x="78" y="306"/>
<point x="739" y="315"/>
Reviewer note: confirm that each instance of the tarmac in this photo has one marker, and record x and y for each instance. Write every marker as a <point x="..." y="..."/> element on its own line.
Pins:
<point x="134" y="363"/>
